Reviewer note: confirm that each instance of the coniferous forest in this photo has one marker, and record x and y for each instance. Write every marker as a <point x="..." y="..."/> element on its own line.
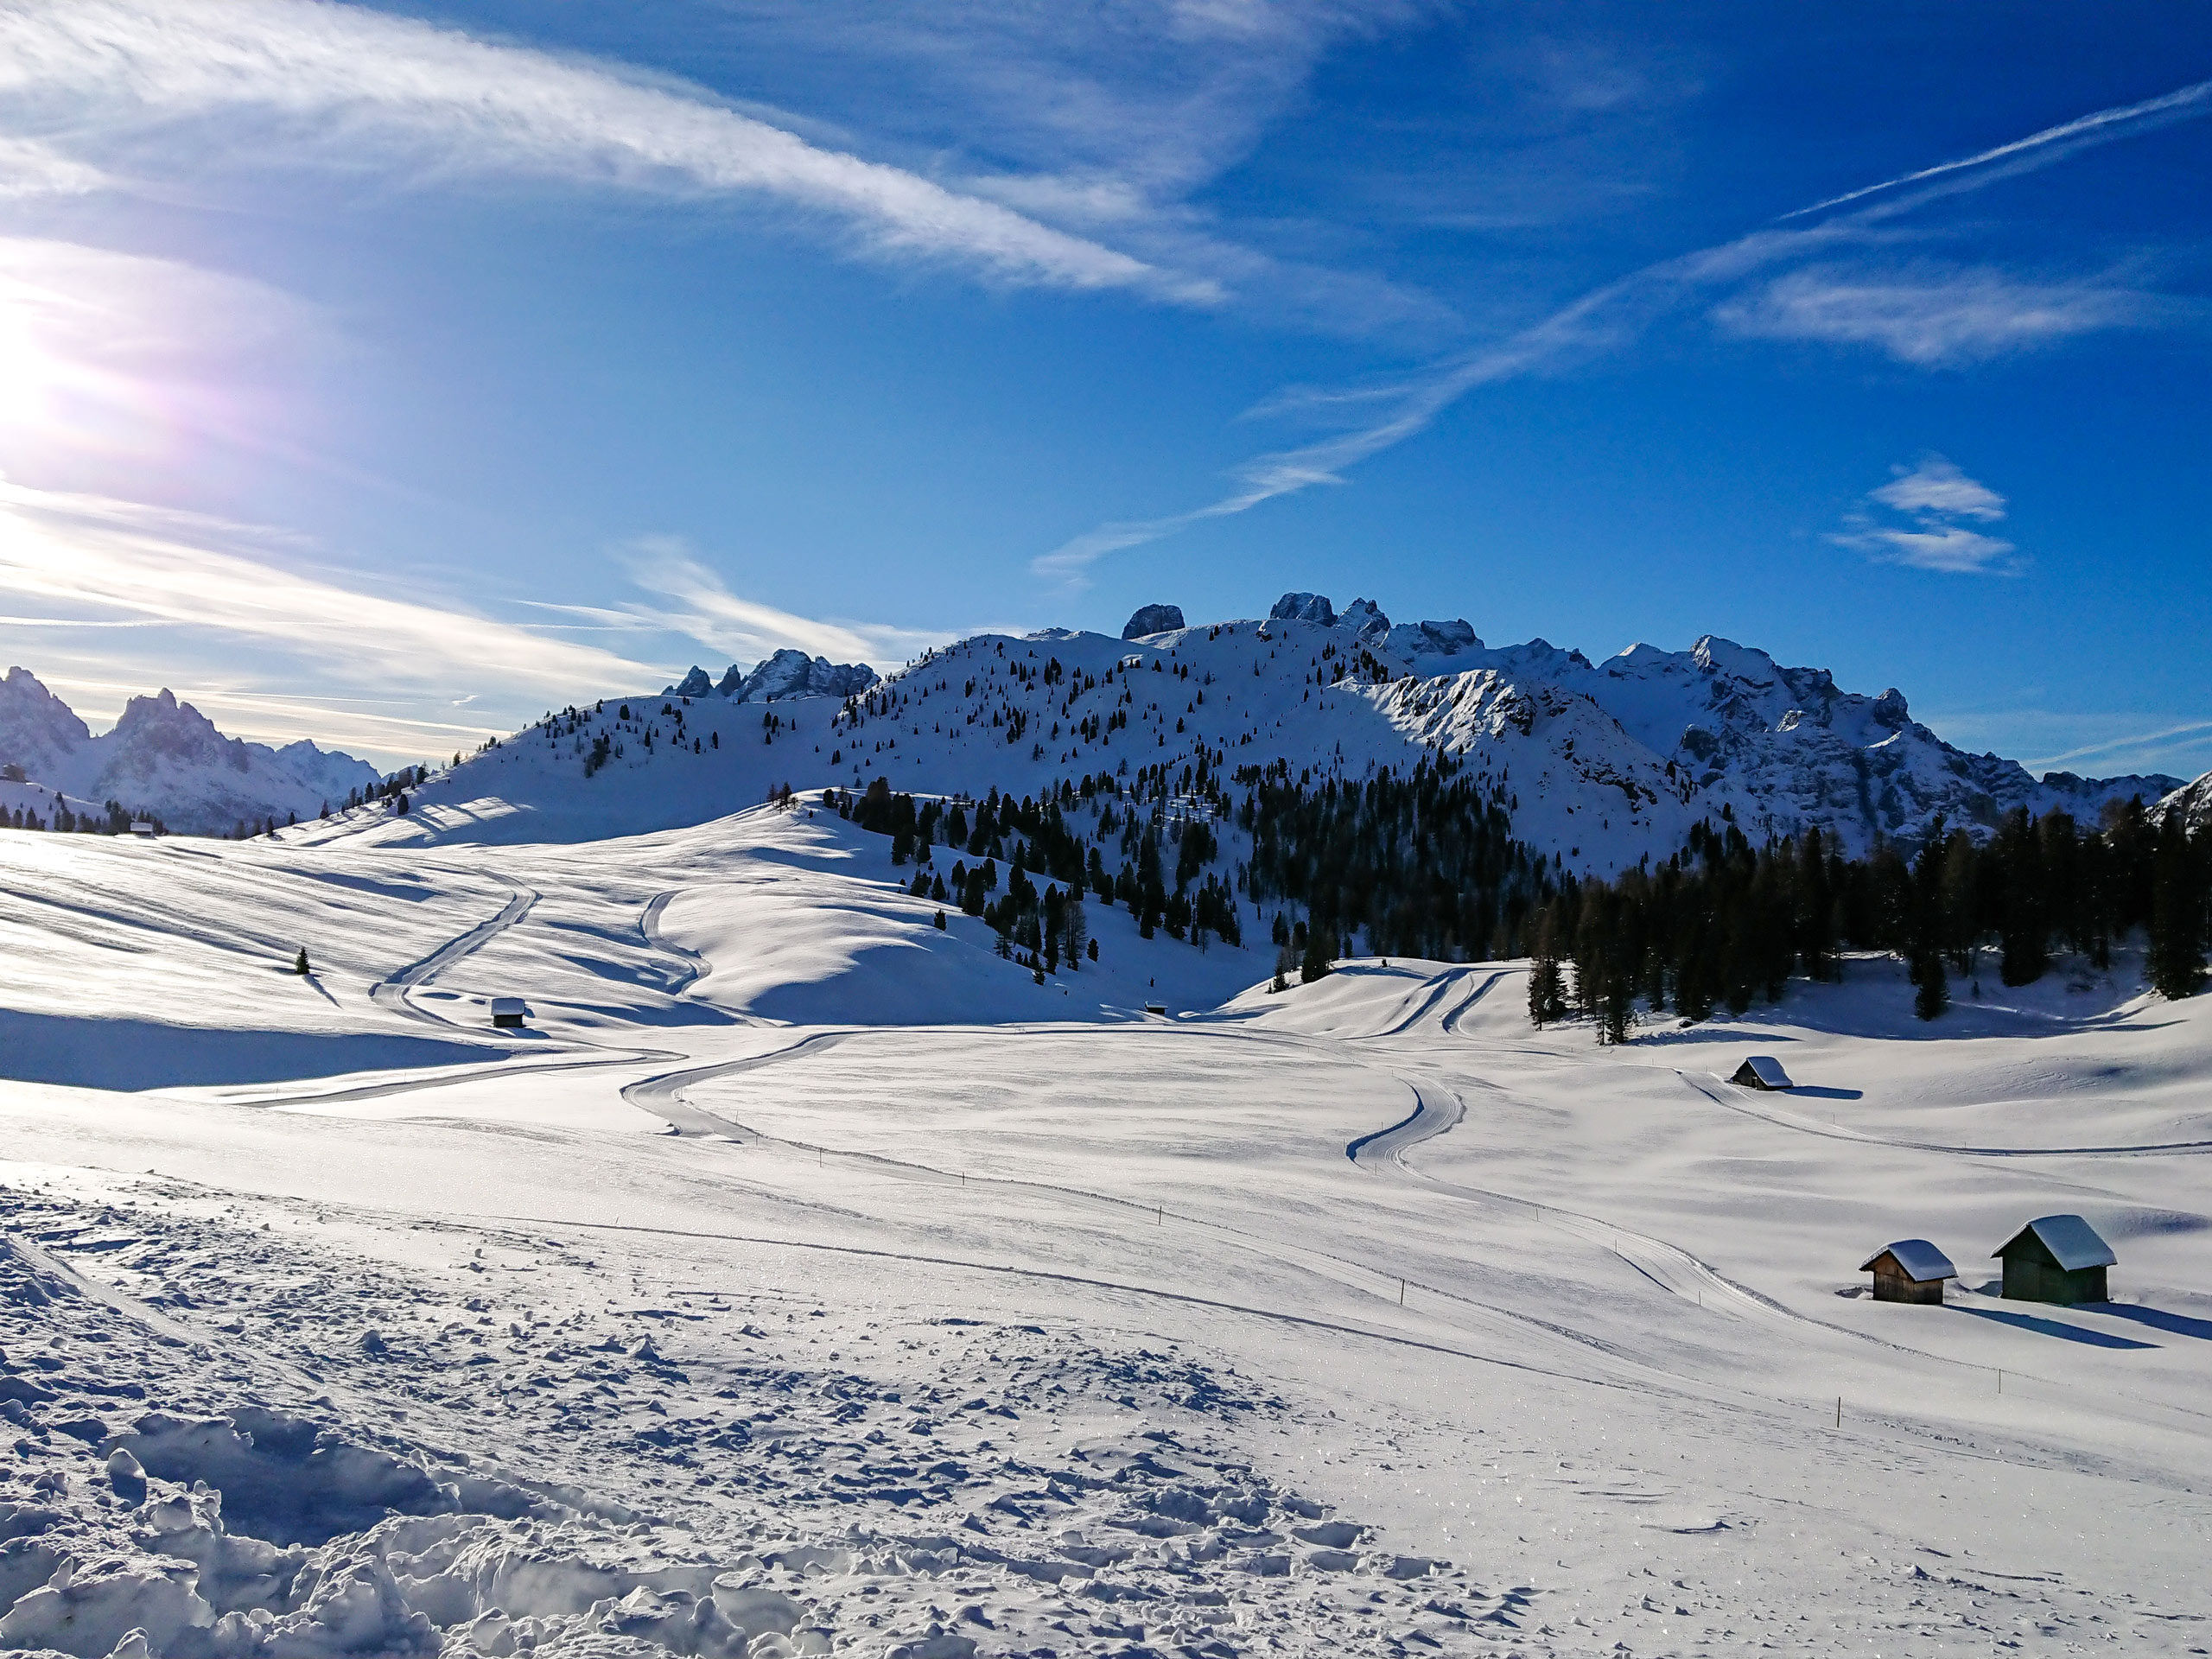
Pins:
<point x="1425" y="866"/>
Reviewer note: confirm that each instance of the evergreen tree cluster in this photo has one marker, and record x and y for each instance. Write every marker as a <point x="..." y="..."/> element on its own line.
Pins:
<point x="1425" y="864"/>
<point x="115" y="819"/>
<point x="1725" y="924"/>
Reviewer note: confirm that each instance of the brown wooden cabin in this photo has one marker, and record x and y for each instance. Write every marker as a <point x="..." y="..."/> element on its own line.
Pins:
<point x="1911" y="1270"/>
<point x="1762" y="1071"/>
<point x="2055" y="1259"/>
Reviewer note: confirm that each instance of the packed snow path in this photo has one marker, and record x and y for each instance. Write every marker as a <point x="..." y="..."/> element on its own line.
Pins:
<point x="960" y="1309"/>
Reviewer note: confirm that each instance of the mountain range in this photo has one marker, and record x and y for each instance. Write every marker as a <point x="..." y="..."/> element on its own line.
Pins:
<point x="166" y="758"/>
<point x="1600" y="763"/>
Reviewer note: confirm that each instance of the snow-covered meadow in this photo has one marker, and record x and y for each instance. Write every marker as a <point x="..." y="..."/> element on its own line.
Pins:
<point x="804" y="1260"/>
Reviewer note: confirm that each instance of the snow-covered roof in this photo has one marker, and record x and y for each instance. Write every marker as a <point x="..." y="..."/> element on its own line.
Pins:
<point x="1769" y="1071"/>
<point x="508" y="1005"/>
<point x="2072" y="1244"/>
<point x="1921" y="1261"/>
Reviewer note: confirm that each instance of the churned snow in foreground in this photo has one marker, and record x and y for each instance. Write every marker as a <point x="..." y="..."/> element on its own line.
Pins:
<point x="801" y="1278"/>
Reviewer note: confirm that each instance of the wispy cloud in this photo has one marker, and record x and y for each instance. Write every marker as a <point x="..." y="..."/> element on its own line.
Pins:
<point x="1931" y="498"/>
<point x="1932" y="325"/>
<point x="244" y="619"/>
<point x="2100" y="743"/>
<point x="29" y="168"/>
<point x="142" y="87"/>
<point x="701" y="609"/>
<point x="2042" y="147"/>
<point x="111" y="559"/>
<point x="1929" y="315"/>
<point x="1937" y="487"/>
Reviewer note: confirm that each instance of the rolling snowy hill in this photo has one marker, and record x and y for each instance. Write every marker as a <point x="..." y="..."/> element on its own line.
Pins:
<point x="802" y="1278"/>
<point x="166" y="758"/>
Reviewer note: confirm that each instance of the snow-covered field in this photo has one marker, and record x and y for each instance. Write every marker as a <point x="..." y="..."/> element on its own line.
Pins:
<point x="803" y="1278"/>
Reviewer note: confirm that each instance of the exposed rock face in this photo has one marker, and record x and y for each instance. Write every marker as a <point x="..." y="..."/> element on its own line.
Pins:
<point x="1304" y="607"/>
<point x="792" y="674"/>
<point x="1153" y="619"/>
<point x="1365" y="618"/>
<point x="38" y="731"/>
<point x="1433" y="638"/>
<point x="2193" y="800"/>
<point x="696" y="684"/>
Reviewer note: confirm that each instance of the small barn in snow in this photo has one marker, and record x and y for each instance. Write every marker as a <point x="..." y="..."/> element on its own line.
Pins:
<point x="2055" y="1259"/>
<point x="509" y="1011"/>
<point x="1911" y="1270"/>
<point x="1762" y="1071"/>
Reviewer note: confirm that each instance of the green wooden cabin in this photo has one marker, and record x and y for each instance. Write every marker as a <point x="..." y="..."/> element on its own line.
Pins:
<point x="2056" y="1259"/>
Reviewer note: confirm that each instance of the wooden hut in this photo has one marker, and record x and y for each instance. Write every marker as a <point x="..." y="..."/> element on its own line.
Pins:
<point x="2055" y="1259"/>
<point x="1911" y="1270"/>
<point x="508" y="1012"/>
<point x="1762" y="1071"/>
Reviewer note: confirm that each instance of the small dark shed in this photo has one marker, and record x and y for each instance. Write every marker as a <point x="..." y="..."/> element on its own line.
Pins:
<point x="1762" y="1071"/>
<point x="509" y="1012"/>
<point x="1911" y="1270"/>
<point x="2056" y="1259"/>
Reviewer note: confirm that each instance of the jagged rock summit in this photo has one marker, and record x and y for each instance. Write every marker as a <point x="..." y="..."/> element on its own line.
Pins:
<point x="787" y="673"/>
<point x="166" y="756"/>
<point x="1153" y="619"/>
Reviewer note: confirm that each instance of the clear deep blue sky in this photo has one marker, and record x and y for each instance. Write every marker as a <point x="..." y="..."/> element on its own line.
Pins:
<point x="389" y="374"/>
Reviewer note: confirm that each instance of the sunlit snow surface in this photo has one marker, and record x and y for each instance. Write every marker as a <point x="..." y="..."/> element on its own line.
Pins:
<point x="800" y="1259"/>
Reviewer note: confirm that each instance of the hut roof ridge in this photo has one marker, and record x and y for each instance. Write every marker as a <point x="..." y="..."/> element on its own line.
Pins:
<point x="1921" y="1260"/>
<point x="2072" y="1244"/>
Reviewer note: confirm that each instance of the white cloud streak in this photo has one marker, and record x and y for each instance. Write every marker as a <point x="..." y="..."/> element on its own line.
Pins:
<point x="1935" y="495"/>
<point x="115" y="559"/>
<point x="1931" y="316"/>
<point x="1937" y="486"/>
<point x="1619" y="311"/>
<point x="135" y="83"/>
<point x="2049" y="145"/>
<point x="740" y="630"/>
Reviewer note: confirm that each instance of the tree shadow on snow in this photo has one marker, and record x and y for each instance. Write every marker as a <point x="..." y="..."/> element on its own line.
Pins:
<point x="2054" y="1328"/>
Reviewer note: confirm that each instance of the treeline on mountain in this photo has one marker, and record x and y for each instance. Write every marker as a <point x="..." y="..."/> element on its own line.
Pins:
<point x="114" y="819"/>
<point x="1155" y="863"/>
<point x="1424" y="865"/>
<point x="1725" y="925"/>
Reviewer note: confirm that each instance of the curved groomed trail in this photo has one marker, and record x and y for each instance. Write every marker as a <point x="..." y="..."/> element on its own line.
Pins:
<point x="392" y="992"/>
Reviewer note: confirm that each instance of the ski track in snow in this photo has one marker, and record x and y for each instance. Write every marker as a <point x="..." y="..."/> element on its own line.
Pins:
<point x="1074" y="1336"/>
<point x="392" y="992"/>
<point x="1710" y="1088"/>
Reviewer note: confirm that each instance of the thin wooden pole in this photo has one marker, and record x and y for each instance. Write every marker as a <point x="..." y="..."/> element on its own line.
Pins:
<point x="1838" y="1411"/>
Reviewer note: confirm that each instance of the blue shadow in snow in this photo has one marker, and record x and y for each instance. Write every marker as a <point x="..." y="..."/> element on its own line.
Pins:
<point x="1818" y="1092"/>
<point x="135" y="1054"/>
<point x="2159" y="1319"/>
<point x="2053" y="1328"/>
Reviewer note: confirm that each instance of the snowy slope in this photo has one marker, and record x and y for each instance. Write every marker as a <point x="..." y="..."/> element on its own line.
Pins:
<point x="801" y="1260"/>
<point x="167" y="758"/>
<point x="1602" y="764"/>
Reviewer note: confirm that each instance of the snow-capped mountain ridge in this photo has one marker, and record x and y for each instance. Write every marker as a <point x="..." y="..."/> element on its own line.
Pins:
<point x="166" y="756"/>
<point x="1601" y="763"/>
<point x="782" y="675"/>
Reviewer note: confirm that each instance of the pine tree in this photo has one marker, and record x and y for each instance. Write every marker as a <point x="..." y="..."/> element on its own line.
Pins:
<point x="1925" y="954"/>
<point x="2177" y="954"/>
<point x="940" y="921"/>
<point x="1315" y="963"/>
<point x="300" y="962"/>
<point x="1547" y="985"/>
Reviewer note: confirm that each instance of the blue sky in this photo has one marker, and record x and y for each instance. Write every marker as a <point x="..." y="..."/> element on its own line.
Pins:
<point x="389" y="374"/>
